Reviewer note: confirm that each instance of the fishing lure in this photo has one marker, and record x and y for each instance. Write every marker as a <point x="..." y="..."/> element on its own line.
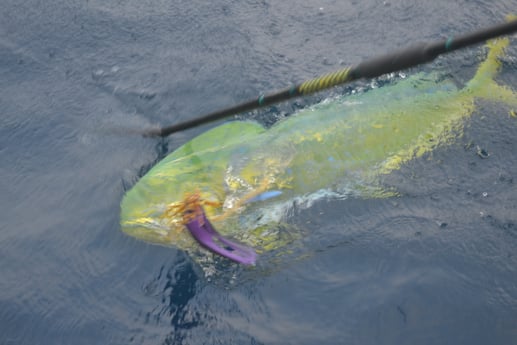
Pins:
<point x="194" y="219"/>
<point x="241" y="178"/>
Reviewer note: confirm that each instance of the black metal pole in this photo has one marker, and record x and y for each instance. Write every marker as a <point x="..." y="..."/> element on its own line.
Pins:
<point x="375" y="67"/>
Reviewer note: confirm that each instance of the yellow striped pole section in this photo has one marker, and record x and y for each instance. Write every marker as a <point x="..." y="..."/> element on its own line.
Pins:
<point x="324" y="82"/>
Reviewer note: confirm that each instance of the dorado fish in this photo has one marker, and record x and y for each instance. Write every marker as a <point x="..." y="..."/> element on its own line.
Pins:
<point x="239" y="180"/>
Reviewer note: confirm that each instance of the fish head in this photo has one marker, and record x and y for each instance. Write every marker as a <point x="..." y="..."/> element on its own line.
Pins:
<point x="194" y="175"/>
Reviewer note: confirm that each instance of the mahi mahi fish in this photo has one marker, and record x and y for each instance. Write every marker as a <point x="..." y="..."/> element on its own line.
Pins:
<point x="246" y="178"/>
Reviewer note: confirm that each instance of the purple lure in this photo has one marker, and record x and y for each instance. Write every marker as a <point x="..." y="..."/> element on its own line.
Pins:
<point x="209" y="238"/>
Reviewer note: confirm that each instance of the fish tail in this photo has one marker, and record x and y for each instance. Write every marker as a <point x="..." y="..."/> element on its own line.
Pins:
<point x="483" y="83"/>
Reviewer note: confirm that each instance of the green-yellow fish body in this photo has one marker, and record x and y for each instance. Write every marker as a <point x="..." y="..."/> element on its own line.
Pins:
<point x="247" y="177"/>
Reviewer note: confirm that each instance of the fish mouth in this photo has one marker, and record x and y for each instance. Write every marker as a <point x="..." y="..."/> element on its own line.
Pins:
<point x="193" y="220"/>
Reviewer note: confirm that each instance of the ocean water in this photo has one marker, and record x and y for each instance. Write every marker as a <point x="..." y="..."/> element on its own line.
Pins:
<point x="437" y="265"/>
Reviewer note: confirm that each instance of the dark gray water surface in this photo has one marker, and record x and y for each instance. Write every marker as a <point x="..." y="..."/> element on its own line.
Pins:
<point x="437" y="265"/>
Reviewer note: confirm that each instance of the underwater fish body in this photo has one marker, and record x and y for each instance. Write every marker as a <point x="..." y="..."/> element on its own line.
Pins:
<point x="247" y="177"/>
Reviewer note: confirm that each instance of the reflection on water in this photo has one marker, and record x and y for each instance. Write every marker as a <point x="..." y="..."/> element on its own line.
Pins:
<point x="175" y="286"/>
